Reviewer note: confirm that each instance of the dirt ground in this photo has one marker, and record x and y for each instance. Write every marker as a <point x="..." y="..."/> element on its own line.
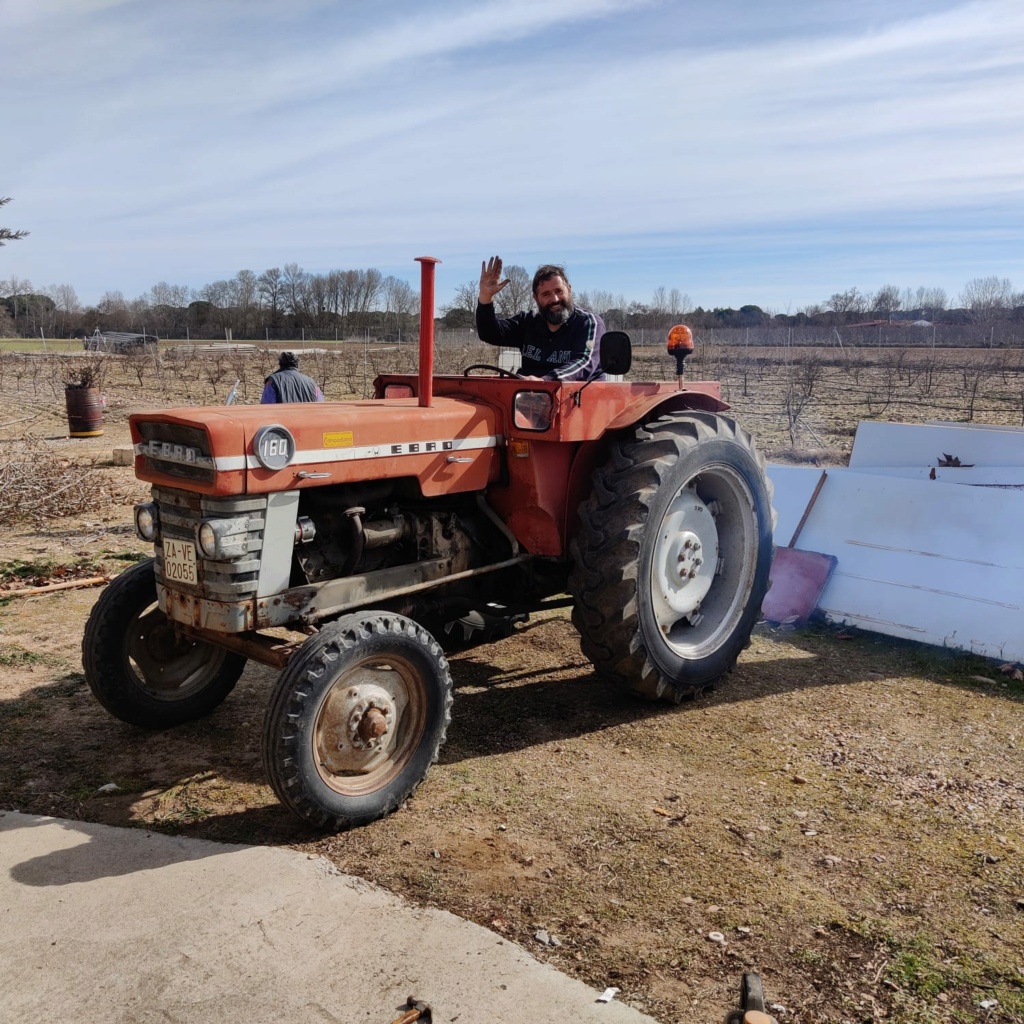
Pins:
<point x="843" y="814"/>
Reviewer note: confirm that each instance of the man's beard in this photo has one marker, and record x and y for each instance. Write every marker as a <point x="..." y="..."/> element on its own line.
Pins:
<point x="557" y="316"/>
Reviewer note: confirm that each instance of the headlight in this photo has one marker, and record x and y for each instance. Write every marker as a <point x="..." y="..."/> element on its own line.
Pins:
<point x="273" y="446"/>
<point x="221" y="539"/>
<point x="147" y="520"/>
<point x="206" y="538"/>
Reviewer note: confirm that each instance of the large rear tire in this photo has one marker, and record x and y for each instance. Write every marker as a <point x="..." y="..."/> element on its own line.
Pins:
<point x="140" y="668"/>
<point x="356" y="719"/>
<point x="671" y="562"/>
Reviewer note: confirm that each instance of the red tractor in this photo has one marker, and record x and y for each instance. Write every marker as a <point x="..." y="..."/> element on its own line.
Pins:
<point x="344" y="542"/>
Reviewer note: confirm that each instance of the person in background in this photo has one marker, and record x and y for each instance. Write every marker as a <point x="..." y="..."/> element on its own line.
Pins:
<point x="558" y="342"/>
<point x="288" y="384"/>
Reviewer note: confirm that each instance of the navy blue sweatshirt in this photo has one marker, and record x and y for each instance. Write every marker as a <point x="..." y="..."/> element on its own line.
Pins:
<point x="572" y="352"/>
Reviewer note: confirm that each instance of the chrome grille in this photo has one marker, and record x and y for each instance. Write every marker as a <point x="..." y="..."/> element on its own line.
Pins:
<point x="181" y="512"/>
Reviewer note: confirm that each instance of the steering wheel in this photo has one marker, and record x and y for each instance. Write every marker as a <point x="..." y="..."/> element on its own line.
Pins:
<point x="493" y="369"/>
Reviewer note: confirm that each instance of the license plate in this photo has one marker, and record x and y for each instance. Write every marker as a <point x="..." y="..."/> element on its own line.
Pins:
<point x="180" y="561"/>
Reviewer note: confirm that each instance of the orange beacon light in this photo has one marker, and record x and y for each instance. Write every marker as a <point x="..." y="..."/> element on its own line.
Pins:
<point x="680" y="345"/>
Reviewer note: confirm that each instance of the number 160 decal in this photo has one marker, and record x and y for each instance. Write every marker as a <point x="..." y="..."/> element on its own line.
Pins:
<point x="273" y="446"/>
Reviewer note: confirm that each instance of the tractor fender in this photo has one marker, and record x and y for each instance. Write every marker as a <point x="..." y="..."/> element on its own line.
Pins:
<point x="641" y="409"/>
<point x="590" y="454"/>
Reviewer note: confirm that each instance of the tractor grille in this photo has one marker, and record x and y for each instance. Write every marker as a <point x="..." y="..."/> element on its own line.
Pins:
<point x="177" y="450"/>
<point x="236" y="579"/>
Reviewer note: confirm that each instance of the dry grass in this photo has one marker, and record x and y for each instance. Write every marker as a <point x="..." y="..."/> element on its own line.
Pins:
<point x="34" y="484"/>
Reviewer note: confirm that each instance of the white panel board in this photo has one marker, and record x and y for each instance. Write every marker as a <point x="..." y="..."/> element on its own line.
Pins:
<point x="978" y="476"/>
<point x="794" y="486"/>
<point x="923" y="444"/>
<point x="930" y="561"/>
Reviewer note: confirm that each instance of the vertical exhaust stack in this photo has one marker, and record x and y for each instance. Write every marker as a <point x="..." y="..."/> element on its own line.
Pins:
<point x="426" y="388"/>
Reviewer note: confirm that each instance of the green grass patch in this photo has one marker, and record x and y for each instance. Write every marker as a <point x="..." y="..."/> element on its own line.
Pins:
<point x="922" y="970"/>
<point x="38" y="346"/>
<point x="12" y="656"/>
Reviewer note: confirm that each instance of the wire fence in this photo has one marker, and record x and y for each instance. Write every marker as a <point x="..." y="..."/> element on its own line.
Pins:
<point x="800" y="400"/>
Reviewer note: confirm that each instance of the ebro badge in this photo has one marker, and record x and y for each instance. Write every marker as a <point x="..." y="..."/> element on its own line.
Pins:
<point x="415" y="447"/>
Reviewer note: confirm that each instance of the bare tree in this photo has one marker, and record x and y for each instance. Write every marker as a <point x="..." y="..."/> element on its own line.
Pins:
<point x="294" y="289"/>
<point x="270" y="285"/>
<point x="245" y="300"/>
<point x="114" y="307"/>
<point x="850" y="301"/>
<point x="318" y="300"/>
<point x="466" y="296"/>
<point x="887" y="299"/>
<point x="599" y="302"/>
<point x="348" y="292"/>
<point x="985" y="295"/>
<point x="679" y="303"/>
<point x="164" y="294"/>
<point x="9" y="234"/>
<point x="368" y="291"/>
<point x="399" y="302"/>
<point x="517" y="294"/>
<point x="66" y="302"/>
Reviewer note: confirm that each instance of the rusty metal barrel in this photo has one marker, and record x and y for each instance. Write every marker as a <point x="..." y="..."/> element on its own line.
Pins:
<point x="85" y="412"/>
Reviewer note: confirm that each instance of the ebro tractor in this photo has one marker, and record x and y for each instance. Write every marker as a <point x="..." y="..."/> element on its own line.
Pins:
<point x="338" y="542"/>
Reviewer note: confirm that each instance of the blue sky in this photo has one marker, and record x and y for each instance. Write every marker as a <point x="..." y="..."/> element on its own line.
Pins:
<point x="738" y="150"/>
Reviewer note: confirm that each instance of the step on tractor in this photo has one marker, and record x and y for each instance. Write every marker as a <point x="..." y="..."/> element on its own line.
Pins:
<point x="351" y="544"/>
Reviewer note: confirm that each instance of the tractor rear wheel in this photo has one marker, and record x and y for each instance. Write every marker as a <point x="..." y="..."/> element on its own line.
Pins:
<point x="672" y="558"/>
<point x="356" y="719"/>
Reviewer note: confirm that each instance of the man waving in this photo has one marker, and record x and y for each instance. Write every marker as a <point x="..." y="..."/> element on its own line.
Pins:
<point x="558" y="342"/>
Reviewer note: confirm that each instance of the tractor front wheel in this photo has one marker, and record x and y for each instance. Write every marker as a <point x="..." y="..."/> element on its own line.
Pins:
<point x="141" y="668"/>
<point x="356" y="719"/>
<point x="671" y="562"/>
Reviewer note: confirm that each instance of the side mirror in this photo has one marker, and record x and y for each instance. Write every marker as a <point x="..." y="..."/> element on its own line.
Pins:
<point x="616" y="352"/>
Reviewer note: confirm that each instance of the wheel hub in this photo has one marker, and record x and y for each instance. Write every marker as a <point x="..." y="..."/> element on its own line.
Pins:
<point x="168" y="665"/>
<point x="357" y="726"/>
<point x="685" y="560"/>
<point x="371" y="717"/>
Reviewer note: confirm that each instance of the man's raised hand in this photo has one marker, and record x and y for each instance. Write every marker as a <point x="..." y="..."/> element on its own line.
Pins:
<point x="490" y="279"/>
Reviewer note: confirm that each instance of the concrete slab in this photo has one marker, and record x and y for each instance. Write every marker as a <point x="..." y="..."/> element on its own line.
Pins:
<point x="112" y="925"/>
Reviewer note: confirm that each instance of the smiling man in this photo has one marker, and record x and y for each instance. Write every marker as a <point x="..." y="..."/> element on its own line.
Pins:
<point x="558" y="342"/>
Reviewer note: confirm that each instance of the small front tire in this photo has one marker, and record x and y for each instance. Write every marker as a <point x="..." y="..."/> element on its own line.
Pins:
<point x="356" y="719"/>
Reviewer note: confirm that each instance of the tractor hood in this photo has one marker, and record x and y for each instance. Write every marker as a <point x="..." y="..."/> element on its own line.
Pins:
<point x="449" y="446"/>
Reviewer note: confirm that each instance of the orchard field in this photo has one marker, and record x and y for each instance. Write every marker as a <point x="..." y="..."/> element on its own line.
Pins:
<point x="844" y="813"/>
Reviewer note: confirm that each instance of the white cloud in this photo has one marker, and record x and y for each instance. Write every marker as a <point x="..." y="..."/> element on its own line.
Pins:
<point x="236" y="131"/>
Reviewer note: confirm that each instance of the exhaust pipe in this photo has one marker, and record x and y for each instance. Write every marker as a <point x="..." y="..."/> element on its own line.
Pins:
<point x="426" y="385"/>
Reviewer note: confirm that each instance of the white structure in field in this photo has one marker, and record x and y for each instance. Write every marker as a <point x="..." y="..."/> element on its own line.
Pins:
<point x="927" y="523"/>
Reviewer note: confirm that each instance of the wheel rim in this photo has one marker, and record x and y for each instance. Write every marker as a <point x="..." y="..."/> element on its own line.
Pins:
<point x="702" y="566"/>
<point x="166" y="665"/>
<point x="369" y="724"/>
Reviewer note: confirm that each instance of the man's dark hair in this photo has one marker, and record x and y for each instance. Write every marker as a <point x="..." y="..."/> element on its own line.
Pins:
<point x="546" y="272"/>
<point x="288" y="361"/>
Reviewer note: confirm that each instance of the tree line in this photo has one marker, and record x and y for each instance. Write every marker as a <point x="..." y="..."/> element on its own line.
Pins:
<point x="284" y="303"/>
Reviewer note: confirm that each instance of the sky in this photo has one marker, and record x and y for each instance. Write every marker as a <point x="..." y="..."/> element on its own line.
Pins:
<point x="742" y="151"/>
